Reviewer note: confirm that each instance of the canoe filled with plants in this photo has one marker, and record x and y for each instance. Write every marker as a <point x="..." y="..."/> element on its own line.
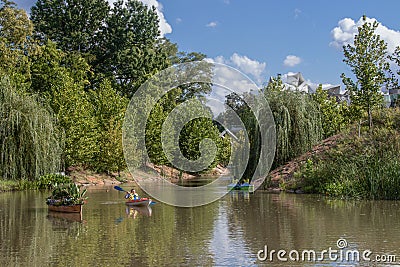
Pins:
<point x="66" y="198"/>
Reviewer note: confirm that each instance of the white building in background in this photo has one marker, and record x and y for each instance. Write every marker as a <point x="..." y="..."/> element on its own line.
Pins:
<point x="296" y="82"/>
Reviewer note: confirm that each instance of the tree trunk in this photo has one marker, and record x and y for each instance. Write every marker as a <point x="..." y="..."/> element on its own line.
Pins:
<point x="370" y="118"/>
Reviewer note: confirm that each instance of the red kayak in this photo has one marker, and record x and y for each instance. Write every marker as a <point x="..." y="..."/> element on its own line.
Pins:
<point x="142" y="202"/>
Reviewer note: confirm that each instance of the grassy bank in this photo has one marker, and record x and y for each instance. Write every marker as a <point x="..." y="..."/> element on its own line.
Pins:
<point x="44" y="182"/>
<point x="7" y="185"/>
<point x="76" y="174"/>
<point x="365" y="166"/>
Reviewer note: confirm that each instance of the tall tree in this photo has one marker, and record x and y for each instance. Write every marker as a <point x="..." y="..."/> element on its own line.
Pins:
<point x="367" y="58"/>
<point x="30" y="141"/>
<point x="15" y="42"/>
<point x="191" y="69"/>
<point x="297" y="120"/>
<point x="72" y="24"/>
<point x="109" y="114"/>
<point x="130" y="49"/>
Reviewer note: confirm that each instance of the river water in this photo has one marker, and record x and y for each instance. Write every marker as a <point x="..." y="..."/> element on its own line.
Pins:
<point x="229" y="232"/>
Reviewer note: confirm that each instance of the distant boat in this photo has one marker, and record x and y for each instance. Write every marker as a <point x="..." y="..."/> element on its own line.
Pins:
<point x="241" y="187"/>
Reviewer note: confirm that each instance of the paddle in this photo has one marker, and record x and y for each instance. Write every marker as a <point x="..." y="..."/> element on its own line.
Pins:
<point x="120" y="189"/>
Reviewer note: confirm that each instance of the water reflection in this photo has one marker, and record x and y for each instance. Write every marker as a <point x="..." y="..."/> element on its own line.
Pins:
<point x="133" y="212"/>
<point x="229" y="232"/>
<point x="65" y="217"/>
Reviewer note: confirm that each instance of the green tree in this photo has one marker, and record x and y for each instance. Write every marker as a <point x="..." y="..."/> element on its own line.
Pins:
<point x="109" y="110"/>
<point x="50" y="62"/>
<point x="333" y="113"/>
<point x="31" y="143"/>
<point x="72" y="24"/>
<point x="74" y="112"/>
<point x="196" y="131"/>
<point x="200" y="71"/>
<point x="367" y="58"/>
<point x="129" y="48"/>
<point x="298" y="121"/>
<point x="15" y="43"/>
<point x="394" y="81"/>
<point x="63" y="90"/>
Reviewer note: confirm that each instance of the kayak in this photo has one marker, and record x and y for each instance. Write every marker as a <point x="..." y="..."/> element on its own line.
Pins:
<point x="142" y="202"/>
<point x="242" y="187"/>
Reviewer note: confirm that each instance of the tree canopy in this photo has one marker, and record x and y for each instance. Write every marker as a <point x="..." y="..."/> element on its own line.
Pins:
<point x="72" y="24"/>
<point x="367" y="59"/>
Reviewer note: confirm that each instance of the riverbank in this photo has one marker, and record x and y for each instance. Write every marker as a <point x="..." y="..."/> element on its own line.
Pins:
<point x="87" y="177"/>
<point x="281" y="179"/>
<point x="359" y="163"/>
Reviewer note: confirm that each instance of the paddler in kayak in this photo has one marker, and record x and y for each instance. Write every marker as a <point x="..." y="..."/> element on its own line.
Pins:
<point x="132" y="195"/>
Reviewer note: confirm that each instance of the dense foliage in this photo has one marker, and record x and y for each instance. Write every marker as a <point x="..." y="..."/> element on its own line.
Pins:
<point x="122" y="43"/>
<point x="359" y="167"/>
<point x="335" y="115"/>
<point x="66" y="76"/>
<point x="83" y="60"/>
<point x="297" y="118"/>
<point x="297" y="122"/>
<point x="31" y="143"/>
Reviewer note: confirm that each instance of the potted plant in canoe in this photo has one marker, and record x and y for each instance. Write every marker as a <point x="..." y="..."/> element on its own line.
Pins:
<point x="66" y="198"/>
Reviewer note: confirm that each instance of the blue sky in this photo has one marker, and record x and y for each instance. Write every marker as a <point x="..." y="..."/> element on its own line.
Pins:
<point x="263" y="38"/>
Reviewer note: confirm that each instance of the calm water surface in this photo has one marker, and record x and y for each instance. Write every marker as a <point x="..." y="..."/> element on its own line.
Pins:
<point x="229" y="232"/>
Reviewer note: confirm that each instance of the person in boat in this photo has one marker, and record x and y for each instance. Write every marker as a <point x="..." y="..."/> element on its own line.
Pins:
<point x="132" y="195"/>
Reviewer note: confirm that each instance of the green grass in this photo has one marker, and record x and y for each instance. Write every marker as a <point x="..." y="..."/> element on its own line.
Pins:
<point x="11" y="185"/>
<point x="365" y="167"/>
<point x="47" y="181"/>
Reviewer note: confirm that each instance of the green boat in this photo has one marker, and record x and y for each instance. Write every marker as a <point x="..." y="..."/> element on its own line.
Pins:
<point x="241" y="187"/>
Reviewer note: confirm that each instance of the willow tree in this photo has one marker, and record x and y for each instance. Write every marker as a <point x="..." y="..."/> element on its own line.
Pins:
<point x="297" y="119"/>
<point x="31" y="144"/>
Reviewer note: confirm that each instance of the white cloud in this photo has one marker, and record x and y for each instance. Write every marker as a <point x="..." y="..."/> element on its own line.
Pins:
<point x="178" y="20"/>
<point x="348" y="28"/>
<point x="297" y="13"/>
<point x="165" y="28"/>
<point x="249" y="66"/>
<point x="212" y="24"/>
<point x="163" y="25"/>
<point x="291" y="61"/>
<point x="253" y="68"/>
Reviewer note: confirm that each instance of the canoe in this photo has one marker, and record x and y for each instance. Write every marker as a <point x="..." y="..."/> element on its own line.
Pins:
<point x="241" y="187"/>
<point x="142" y="202"/>
<point x="69" y="209"/>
